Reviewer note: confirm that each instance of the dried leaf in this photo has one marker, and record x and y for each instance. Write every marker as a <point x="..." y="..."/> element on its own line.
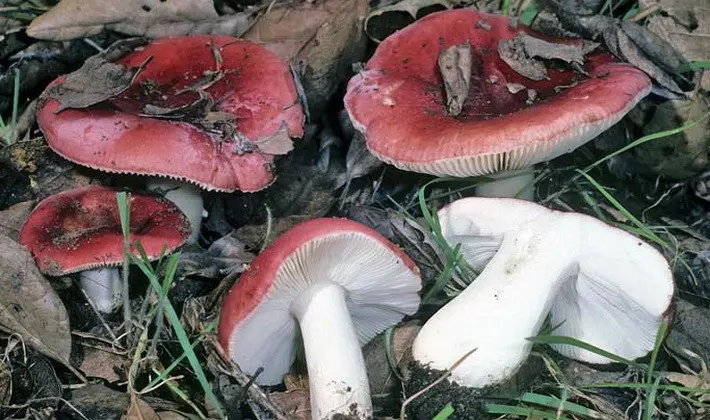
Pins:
<point x="682" y="155"/>
<point x="99" y="363"/>
<point x="383" y="382"/>
<point x="455" y="67"/>
<point x="521" y="54"/>
<point x="322" y="40"/>
<point x="569" y="53"/>
<point x="512" y="52"/>
<point x="278" y="144"/>
<point x="359" y="161"/>
<point x="691" y="39"/>
<point x="151" y="18"/>
<point x="295" y="401"/>
<point x="628" y="41"/>
<point x="226" y="256"/>
<point x="689" y="338"/>
<point x="29" y="306"/>
<point x="631" y="52"/>
<point x="654" y="46"/>
<point x="13" y="218"/>
<point x="96" y="81"/>
<point x="140" y="410"/>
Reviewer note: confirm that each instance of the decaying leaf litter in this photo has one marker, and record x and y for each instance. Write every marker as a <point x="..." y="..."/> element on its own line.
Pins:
<point x="657" y="189"/>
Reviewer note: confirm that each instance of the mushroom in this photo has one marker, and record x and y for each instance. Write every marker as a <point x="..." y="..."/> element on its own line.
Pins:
<point x="79" y="231"/>
<point x="337" y="284"/>
<point x="598" y="283"/>
<point x="205" y="110"/>
<point x="508" y="122"/>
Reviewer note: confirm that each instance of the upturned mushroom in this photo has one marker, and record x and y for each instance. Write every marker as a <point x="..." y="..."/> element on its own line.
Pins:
<point x="438" y="97"/>
<point x="79" y="231"/>
<point x="202" y="111"/>
<point x="599" y="284"/>
<point x="334" y="284"/>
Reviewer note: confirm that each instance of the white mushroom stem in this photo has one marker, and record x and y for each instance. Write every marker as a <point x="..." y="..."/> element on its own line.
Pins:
<point x="187" y="197"/>
<point x="103" y="287"/>
<point x="507" y="303"/>
<point x="336" y="367"/>
<point x="510" y="184"/>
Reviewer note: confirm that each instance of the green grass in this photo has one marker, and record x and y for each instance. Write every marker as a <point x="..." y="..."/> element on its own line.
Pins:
<point x="160" y="308"/>
<point x="651" y="383"/>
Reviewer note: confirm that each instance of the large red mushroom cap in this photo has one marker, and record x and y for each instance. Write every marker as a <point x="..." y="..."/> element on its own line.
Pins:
<point x="399" y="102"/>
<point x="255" y="110"/>
<point x="80" y="229"/>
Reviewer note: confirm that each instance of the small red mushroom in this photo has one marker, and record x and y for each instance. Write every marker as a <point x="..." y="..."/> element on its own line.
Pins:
<point x="337" y="282"/>
<point x="80" y="231"/>
<point x="398" y="101"/>
<point x="206" y="110"/>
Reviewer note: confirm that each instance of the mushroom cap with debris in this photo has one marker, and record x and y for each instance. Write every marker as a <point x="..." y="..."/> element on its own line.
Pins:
<point x="508" y="121"/>
<point x="209" y="110"/>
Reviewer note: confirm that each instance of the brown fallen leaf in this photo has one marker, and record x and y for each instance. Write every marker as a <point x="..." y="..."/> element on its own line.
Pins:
<point x="512" y="53"/>
<point x="687" y="27"/>
<point x="139" y="410"/>
<point x="627" y="40"/>
<point x="30" y="307"/>
<point x="295" y="401"/>
<point x="150" y="18"/>
<point x="96" y="81"/>
<point x="13" y="218"/>
<point x="278" y="144"/>
<point x="525" y="52"/>
<point x="539" y="48"/>
<point x="384" y="383"/>
<point x="679" y="156"/>
<point x="99" y="363"/>
<point x="358" y="162"/>
<point x="226" y="256"/>
<point x="321" y="39"/>
<point x="455" y="67"/>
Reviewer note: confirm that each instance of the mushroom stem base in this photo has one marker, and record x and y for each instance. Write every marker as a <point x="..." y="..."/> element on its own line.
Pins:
<point x="336" y="367"/>
<point x="104" y="288"/>
<point x="516" y="290"/>
<point x="511" y="184"/>
<point x="187" y="197"/>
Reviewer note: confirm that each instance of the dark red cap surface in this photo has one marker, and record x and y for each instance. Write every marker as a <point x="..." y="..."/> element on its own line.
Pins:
<point x="256" y="89"/>
<point x="81" y="229"/>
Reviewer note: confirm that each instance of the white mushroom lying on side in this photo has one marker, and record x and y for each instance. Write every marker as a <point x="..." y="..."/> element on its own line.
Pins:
<point x="600" y="284"/>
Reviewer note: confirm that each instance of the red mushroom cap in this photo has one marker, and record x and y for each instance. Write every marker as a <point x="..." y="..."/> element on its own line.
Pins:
<point x="398" y="101"/>
<point x="340" y="249"/>
<point x="256" y="89"/>
<point x="81" y="229"/>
